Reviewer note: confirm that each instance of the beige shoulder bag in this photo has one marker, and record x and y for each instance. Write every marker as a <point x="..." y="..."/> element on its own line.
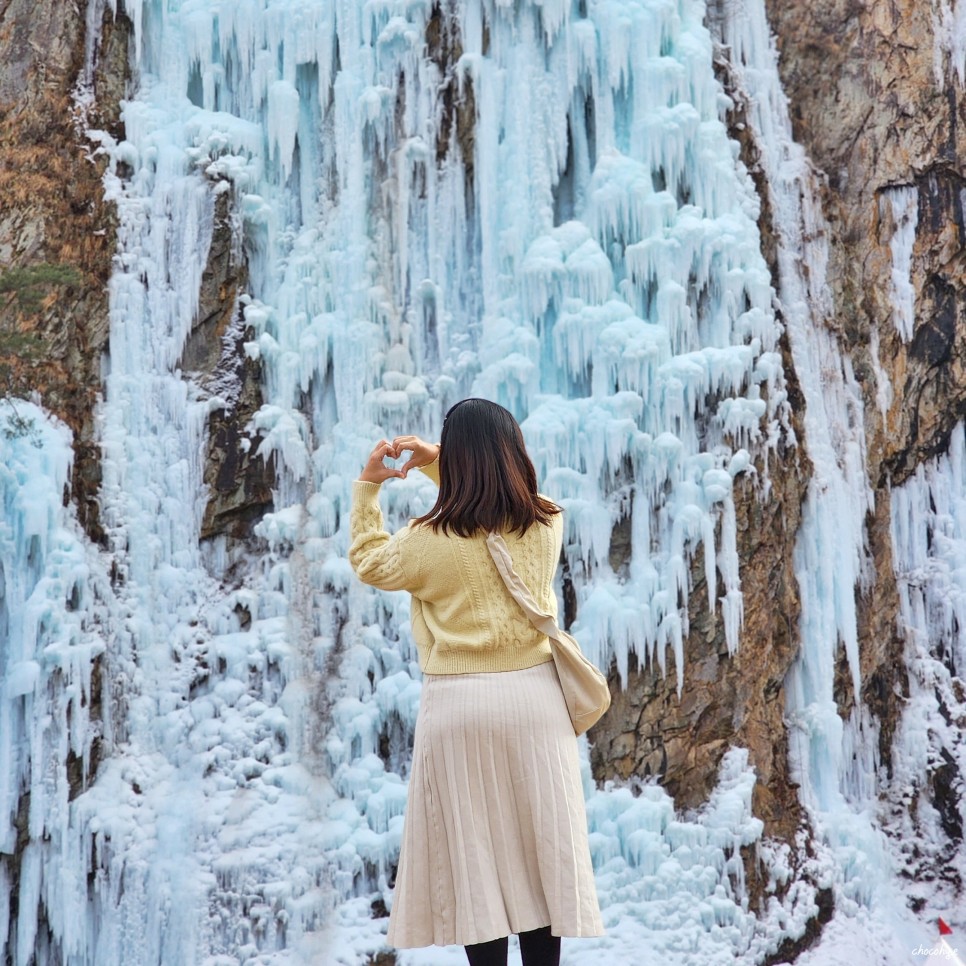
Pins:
<point x="584" y="686"/>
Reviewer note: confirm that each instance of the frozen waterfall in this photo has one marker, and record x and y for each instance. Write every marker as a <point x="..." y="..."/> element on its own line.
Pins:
<point x="577" y="240"/>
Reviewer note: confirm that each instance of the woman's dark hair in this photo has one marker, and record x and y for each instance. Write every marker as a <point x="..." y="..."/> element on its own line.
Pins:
<point x="486" y="479"/>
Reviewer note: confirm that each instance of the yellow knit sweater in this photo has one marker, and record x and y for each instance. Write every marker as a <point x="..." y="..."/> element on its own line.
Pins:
<point x="464" y="619"/>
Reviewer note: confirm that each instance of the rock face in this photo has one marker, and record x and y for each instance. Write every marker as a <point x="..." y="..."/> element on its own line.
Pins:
<point x="239" y="482"/>
<point x="726" y="699"/>
<point x="887" y="137"/>
<point x="57" y="235"/>
<point x="886" y="122"/>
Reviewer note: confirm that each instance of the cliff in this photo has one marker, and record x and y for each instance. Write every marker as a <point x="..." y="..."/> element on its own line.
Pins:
<point x="57" y="237"/>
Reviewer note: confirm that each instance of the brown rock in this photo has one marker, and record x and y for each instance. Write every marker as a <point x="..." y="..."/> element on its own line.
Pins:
<point x="445" y="47"/>
<point x="239" y="482"/>
<point x="57" y="235"/>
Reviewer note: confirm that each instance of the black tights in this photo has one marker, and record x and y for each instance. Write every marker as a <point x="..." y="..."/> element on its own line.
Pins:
<point x="537" y="947"/>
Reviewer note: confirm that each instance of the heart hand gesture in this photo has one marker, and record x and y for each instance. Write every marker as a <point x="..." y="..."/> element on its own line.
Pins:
<point x="376" y="471"/>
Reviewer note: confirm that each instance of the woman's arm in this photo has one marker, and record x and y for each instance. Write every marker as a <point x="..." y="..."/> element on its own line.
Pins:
<point x="374" y="555"/>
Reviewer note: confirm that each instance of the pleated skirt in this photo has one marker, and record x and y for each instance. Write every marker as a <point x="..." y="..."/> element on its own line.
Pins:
<point x="495" y="831"/>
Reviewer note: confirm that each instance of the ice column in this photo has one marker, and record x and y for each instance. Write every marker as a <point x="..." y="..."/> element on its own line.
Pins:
<point x="626" y="306"/>
<point x="904" y="205"/>
<point x="929" y="544"/>
<point x="51" y="610"/>
<point x="949" y="41"/>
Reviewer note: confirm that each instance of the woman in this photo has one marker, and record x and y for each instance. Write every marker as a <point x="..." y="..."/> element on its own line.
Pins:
<point x="495" y="833"/>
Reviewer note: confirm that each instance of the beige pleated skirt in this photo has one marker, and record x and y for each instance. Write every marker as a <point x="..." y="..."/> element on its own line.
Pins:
<point x="495" y="832"/>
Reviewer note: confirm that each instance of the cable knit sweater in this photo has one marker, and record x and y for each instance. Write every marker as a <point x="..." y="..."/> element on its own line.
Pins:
<point x="464" y="619"/>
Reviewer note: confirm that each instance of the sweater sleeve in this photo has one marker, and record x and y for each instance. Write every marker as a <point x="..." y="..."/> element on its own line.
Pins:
<point x="432" y="470"/>
<point x="374" y="554"/>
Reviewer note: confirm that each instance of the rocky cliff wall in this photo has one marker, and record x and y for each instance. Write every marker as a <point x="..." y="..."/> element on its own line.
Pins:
<point x="884" y="131"/>
<point x="57" y="238"/>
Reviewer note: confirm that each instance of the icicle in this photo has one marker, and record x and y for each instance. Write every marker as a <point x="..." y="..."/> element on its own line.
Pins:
<point x="904" y="204"/>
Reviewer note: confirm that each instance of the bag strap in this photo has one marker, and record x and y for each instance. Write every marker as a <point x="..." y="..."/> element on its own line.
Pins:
<point x="500" y="553"/>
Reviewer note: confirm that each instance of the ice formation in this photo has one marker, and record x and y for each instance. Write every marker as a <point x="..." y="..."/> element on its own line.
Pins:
<point x="588" y="256"/>
<point x="929" y="538"/>
<point x="904" y="205"/>
<point x="949" y="45"/>
<point x="49" y="587"/>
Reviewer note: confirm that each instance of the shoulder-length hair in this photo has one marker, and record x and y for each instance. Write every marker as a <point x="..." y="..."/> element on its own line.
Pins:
<point x="486" y="479"/>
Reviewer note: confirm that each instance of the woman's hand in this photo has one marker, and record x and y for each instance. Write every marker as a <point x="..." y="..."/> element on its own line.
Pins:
<point x="423" y="452"/>
<point x="375" y="470"/>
